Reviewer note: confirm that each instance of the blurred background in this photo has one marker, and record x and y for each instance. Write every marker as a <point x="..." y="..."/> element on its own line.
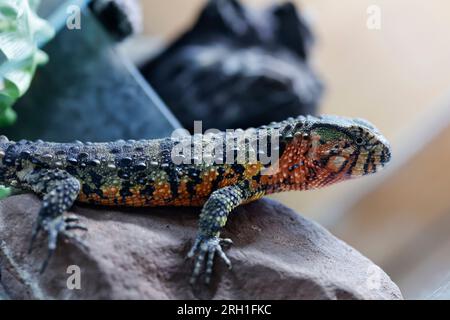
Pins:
<point x="398" y="77"/>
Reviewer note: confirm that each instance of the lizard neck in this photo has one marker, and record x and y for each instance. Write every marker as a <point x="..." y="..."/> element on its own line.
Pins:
<point x="303" y="166"/>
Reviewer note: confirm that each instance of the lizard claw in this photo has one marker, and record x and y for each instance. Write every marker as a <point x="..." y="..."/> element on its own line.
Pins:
<point x="71" y="218"/>
<point x="54" y="227"/>
<point x="206" y="248"/>
<point x="226" y="241"/>
<point x="34" y="234"/>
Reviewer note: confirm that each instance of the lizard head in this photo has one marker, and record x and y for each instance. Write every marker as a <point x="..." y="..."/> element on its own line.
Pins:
<point x="352" y="145"/>
<point x="327" y="149"/>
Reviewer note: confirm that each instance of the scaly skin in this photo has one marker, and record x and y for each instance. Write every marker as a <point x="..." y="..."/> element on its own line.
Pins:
<point x="313" y="153"/>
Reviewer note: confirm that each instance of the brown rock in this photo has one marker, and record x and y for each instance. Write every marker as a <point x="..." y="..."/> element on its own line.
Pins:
<point x="3" y="295"/>
<point x="139" y="254"/>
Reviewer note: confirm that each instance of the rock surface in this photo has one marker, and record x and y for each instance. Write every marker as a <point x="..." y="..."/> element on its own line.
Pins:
<point x="139" y="254"/>
<point x="3" y="295"/>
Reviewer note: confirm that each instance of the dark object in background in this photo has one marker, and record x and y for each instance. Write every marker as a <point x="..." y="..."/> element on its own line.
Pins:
<point x="121" y="18"/>
<point x="238" y="68"/>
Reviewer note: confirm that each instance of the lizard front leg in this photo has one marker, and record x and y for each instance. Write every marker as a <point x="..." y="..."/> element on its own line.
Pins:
<point x="212" y="218"/>
<point x="59" y="190"/>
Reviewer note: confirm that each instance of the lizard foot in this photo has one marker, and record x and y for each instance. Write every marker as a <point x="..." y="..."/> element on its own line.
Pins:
<point x="206" y="248"/>
<point x="54" y="227"/>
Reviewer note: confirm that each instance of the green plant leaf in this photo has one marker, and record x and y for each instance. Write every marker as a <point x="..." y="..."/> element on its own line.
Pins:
<point x="4" y="192"/>
<point x="21" y="30"/>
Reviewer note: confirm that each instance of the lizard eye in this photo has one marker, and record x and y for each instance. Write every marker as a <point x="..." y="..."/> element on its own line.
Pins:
<point x="359" y="141"/>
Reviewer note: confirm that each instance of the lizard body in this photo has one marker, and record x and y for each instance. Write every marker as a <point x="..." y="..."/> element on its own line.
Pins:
<point x="313" y="152"/>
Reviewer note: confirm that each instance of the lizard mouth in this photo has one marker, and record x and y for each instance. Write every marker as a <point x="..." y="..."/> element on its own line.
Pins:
<point x="386" y="155"/>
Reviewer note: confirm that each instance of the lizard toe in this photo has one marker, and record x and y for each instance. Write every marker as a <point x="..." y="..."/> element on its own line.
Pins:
<point x="206" y="249"/>
<point x="54" y="227"/>
<point x="226" y="241"/>
<point x="75" y="226"/>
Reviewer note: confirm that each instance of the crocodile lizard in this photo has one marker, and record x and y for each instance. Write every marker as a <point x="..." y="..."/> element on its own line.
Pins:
<point x="312" y="152"/>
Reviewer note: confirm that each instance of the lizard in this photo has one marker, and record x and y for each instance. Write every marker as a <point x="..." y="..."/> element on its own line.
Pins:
<point x="312" y="152"/>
